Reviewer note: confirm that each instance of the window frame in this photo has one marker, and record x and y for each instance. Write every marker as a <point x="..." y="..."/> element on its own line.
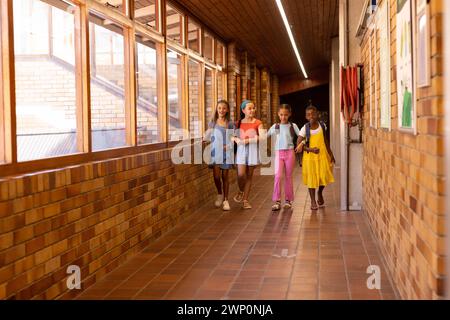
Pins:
<point x="201" y="94"/>
<point x="82" y="56"/>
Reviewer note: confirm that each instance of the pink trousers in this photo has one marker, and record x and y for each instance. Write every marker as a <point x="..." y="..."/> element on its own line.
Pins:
<point x="284" y="160"/>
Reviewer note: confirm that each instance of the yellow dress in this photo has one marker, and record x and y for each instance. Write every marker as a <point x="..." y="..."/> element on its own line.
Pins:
<point x="317" y="168"/>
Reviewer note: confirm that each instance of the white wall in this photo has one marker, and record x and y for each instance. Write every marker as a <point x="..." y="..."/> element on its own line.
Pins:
<point x="349" y="54"/>
<point x="335" y="107"/>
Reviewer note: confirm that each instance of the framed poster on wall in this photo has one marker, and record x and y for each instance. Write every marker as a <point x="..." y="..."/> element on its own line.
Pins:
<point x="383" y="27"/>
<point x="423" y="44"/>
<point x="405" y="60"/>
<point x="373" y="101"/>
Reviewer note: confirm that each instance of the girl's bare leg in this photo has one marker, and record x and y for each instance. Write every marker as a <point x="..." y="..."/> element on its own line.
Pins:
<point x="312" y="194"/>
<point x="320" y="199"/>
<point x="242" y="176"/>
<point x="226" y="184"/>
<point x="217" y="182"/>
<point x="248" y="182"/>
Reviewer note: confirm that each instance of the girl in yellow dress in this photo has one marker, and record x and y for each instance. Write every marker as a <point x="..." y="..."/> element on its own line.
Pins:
<point x="318" y="159"/>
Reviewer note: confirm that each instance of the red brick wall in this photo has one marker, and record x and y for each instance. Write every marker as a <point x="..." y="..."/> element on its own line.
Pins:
<point x="404" y="178"/>
<point x="93" y="215"/>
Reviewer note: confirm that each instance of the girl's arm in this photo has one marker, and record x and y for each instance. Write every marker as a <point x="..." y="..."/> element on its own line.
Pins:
<point x="208" y="134"/>
<point x="258" y="137"/>
<point x="300" y="144"/>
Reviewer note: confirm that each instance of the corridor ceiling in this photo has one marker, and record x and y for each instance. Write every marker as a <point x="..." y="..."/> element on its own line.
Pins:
<point x="257" y="26"/>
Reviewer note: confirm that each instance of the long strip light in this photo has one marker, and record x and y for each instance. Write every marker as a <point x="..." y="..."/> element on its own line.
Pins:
<point x="291" y="37"/>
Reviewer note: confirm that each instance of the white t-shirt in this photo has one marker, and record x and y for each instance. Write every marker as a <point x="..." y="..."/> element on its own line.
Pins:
<point x="313" y="131"/>
<point x="284" y="139"/>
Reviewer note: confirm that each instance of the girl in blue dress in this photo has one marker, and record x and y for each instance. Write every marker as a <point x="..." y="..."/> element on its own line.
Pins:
<point x="221" y="133"/>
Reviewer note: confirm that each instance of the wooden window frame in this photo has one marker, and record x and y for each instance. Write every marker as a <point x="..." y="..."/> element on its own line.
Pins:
<point x="183" y="26"/>
<point x="8" y="94"/>
<point x="184" y="92"/>
<point x="214" y="91"/>
<point x="188" y="20"/>
<point x="158" y="13"/>
<point x="201" y="93"/>
<point x="130" y="84"/>
<point x="82" y="56"/>
<point x="213" y="46"/>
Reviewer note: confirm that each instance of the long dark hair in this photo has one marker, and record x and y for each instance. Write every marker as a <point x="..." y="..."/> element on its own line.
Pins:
<point x="216" y="113"/>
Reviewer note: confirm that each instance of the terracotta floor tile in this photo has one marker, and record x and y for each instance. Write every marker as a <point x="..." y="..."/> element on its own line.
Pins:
<point x="242" y="295"/>
<point x="301" y="295"/>
<point x="210" y="295"/>
<point x="334" y="296"/>
<point x="216" y="255"/>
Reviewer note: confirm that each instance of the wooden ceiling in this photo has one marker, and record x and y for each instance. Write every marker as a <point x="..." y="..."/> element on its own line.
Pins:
<point x="257" y="26"/>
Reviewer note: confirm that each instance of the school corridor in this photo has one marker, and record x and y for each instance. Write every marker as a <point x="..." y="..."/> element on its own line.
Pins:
<point x="255" y="254"/>
<point x="105" y="191"/>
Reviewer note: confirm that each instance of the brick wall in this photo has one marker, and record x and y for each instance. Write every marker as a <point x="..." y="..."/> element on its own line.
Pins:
<point x="265" y="98"/>
<point x="404" y="178"/>
<point x="275" y="103"/>
<point x="94" y="215"/>
<point x="260" y="81"/>
<point x="233" y="69"/>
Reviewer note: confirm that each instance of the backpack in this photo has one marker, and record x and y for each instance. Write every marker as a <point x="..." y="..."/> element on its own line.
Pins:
<point x="298" y="156"/>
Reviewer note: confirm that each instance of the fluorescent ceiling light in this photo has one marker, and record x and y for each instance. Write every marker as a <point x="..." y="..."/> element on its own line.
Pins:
<point x="291" y="37"/>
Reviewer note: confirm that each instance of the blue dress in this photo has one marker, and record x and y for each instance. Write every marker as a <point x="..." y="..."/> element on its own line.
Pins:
<point x="221" y="137"/>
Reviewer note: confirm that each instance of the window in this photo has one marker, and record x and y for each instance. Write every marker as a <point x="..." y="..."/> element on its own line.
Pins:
<point x="220" y="55"/>
<point x="175" y="90"/>
<point x="119" y="5"/>
<point x="147" y="91"/>
<point x="209" y="98"/>
<point x="208" y="46"/>
<point x="193" y="36"/>
<point x="174" y="24"/>
<point x="45" y="79"/>
<point x="221" y="86"/>
<point x="107" y="83"/>
<point x="146" y="12"/>
<point x="195" y="123"/>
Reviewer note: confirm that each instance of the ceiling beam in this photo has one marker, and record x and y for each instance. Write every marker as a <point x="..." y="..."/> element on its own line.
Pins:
<point x="145" y="11"/>
<point x="293" y="83"/>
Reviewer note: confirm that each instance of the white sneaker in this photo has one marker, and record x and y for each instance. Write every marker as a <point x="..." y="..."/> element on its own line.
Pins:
<point x="226" y="206"/>
<point x="219" y="200"/>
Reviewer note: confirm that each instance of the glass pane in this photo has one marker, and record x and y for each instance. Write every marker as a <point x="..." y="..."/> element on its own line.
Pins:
<point x="45" y="79"/>
<point x="209" y="102"/>
<point x="115" y="4"/>
<point x="174" y="22"/>
<point x="220" y="54"/>
<point x="107" y="83"/>
<point x="175" y="89"/>
<point x="147" y="91"/>
<point x="145" y="12"/>
<point x="208" y="46"/>
<point x="220" y="86"/>
<point x="193" y="37"/>
<point x="195" y="123"/>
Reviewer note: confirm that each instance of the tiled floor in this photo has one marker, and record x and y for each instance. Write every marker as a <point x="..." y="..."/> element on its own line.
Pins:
<point x="255" y="254"/>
